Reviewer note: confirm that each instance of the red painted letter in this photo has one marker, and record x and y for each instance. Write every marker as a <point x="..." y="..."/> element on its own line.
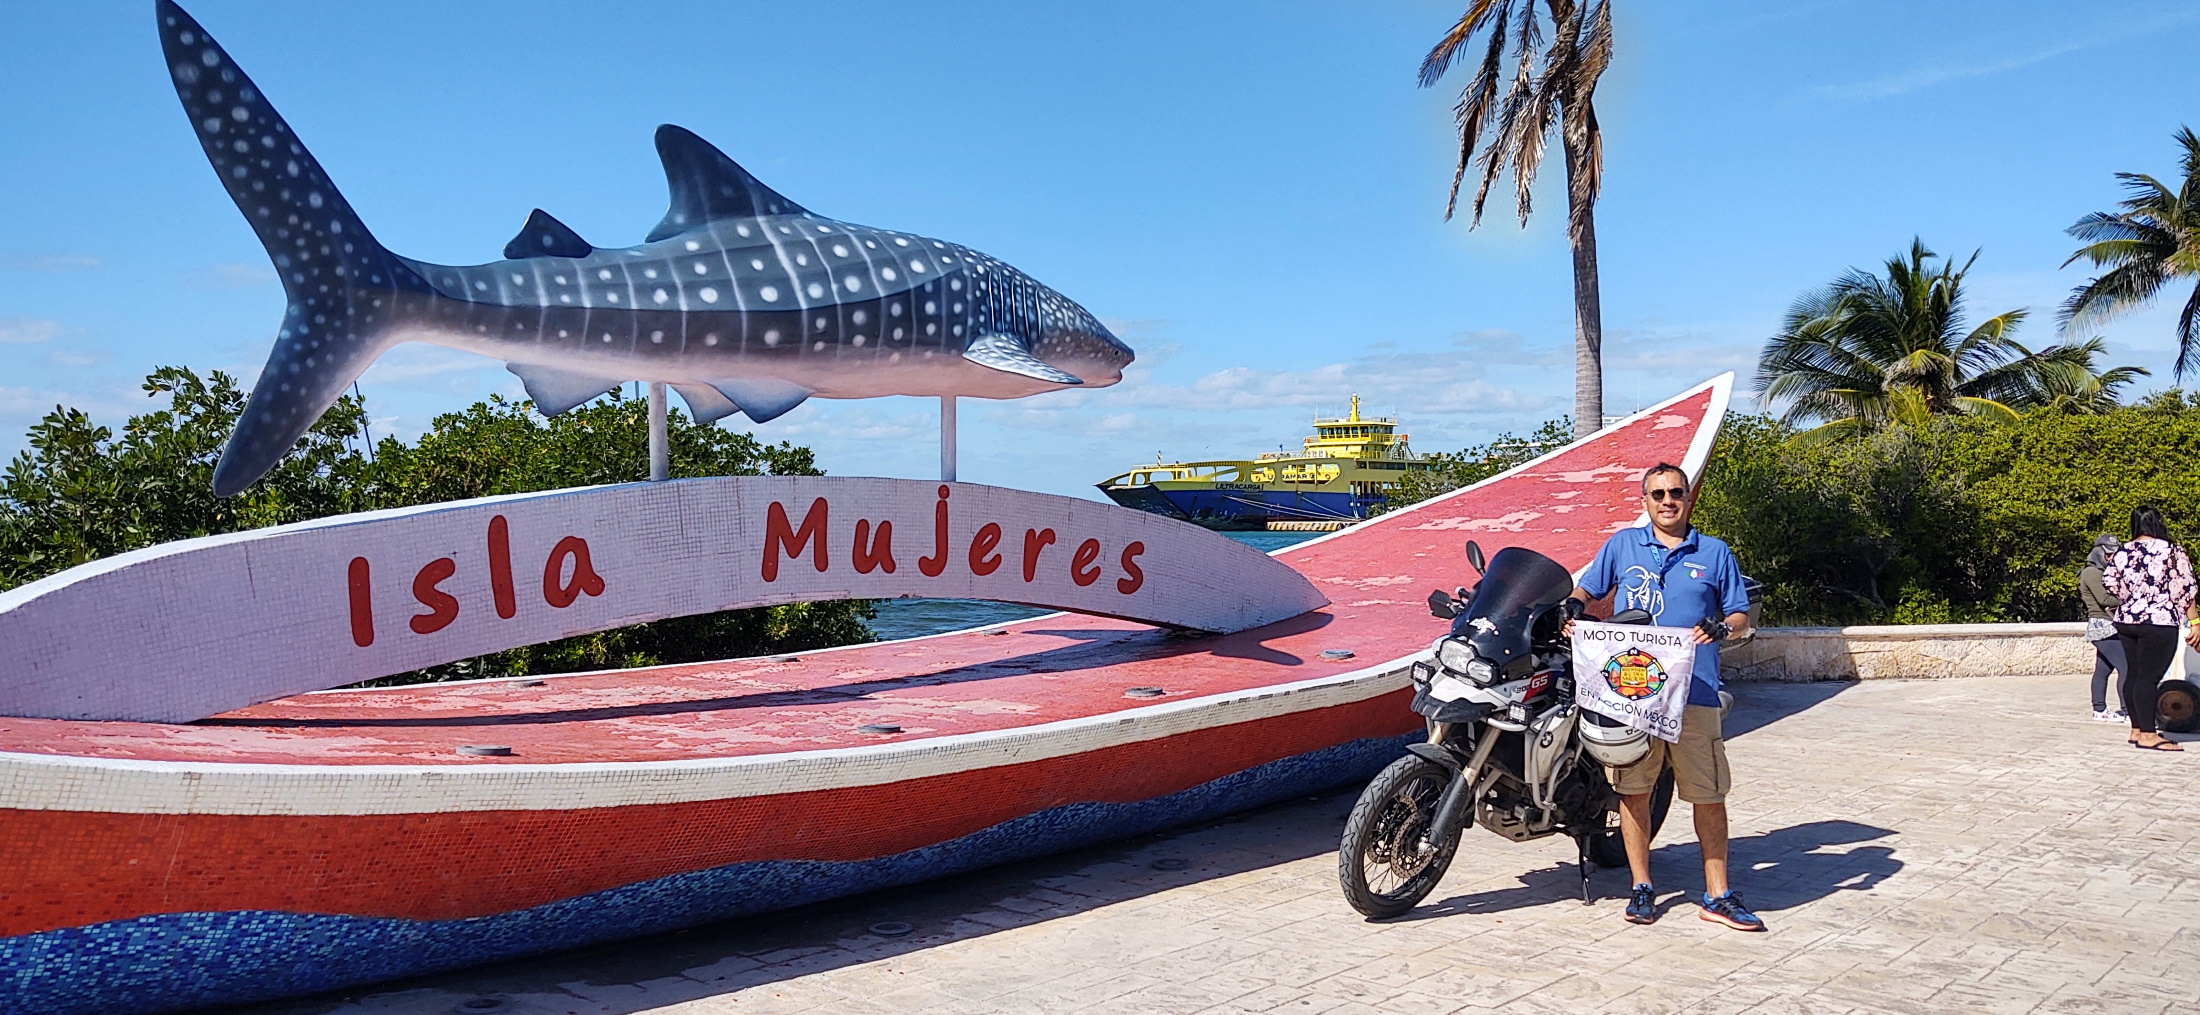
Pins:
<point x="870" y="553"/>
<point x="983" y="561"/>
<point x="1136" y="578"/>
<point x="442" y="608"/>
<point x="937" y="562"/>
<point x="560" y="593"/>
<point x="1081" y="570"/>
<point x="780" y="537"/>
<point x="362" y="603"/>
<point x="1035" y="540"/>
<point x="500" y="567"/>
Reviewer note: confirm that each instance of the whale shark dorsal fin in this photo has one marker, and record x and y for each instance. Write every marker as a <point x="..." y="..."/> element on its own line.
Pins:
<point x="555" y="391"/>
<point x="1006" y="354"/>
<point x="706" y="185"/>
<point x="544" y="236"/>
<point x="705" y="403"/>
<point x="763" y="398"/>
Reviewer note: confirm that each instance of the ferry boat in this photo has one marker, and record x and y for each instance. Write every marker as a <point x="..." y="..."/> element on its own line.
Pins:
<point x="1343" y="474"/>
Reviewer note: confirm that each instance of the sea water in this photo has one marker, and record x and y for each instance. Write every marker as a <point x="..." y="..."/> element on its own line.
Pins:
<point x="914" y="618"/>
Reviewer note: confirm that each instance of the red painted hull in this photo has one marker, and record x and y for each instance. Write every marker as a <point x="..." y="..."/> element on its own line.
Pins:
<point x="747" y="776"/>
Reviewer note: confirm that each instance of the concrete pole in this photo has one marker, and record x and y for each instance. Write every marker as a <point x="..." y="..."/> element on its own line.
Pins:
<point x="947" y="438"/>
<point x="660" y="439"/>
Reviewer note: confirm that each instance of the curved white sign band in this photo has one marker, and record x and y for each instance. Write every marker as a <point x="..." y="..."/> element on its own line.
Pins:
<point x="190" y="629"/>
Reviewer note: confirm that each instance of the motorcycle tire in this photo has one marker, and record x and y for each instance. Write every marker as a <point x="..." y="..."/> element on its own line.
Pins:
<point x="1385" y="862"/>
<point x="2177" y="706"/>
<point x="1608" y="850"/>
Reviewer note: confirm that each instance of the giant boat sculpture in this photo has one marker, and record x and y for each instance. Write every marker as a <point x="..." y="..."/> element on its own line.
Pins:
<point x="194" y="813"/>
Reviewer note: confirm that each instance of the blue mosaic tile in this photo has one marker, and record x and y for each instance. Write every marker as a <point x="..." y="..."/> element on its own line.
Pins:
<point x="177" y="961"/>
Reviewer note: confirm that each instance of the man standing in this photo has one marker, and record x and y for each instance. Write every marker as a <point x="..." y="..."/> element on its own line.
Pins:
<point x="1682" y="578"/>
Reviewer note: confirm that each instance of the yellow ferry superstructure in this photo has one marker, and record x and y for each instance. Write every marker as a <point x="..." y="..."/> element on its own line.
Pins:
<point x="1349" y="467"/>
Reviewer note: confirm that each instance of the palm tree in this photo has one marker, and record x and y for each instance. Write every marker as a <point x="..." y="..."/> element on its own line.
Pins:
<point x="2153" y="241"/>
<point x="2067" y="380"/>
<point x="1868" y="352"/>
<point x="1548" y="85"/>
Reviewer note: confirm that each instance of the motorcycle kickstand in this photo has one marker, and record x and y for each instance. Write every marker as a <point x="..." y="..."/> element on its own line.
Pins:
<point x="1582" y="841"/>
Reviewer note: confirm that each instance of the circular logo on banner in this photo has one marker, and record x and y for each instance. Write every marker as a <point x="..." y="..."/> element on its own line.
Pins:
<point x="1634" y="674"/>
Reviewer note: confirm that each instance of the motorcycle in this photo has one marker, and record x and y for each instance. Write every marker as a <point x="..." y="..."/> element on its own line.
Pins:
<point x="1506" y="744"/>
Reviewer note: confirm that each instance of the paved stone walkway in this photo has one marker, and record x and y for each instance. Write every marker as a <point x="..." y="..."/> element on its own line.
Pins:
<point x="1927" y="846"/>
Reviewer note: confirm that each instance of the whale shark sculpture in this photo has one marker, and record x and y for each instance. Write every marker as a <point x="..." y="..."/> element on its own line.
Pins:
<point x="740" y="299"/>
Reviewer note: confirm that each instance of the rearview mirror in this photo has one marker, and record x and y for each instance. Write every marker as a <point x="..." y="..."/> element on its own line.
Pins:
<point x="1630" y="617"/>
<point x="1440" y="606"/>
<point x="1474" y="556"/>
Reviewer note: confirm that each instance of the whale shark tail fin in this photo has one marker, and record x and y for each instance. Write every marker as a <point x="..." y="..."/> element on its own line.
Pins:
<point x="336" y="276"/>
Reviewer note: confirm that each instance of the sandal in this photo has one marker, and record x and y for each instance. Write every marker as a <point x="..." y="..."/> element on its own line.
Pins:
<point x="2160" y="745"/>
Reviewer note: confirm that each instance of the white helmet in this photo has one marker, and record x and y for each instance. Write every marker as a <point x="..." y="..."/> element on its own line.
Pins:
<point x="1610" y="741"/>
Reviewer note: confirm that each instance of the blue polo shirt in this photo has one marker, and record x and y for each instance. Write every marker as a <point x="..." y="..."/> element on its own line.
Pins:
<point x="1678" y="587"/>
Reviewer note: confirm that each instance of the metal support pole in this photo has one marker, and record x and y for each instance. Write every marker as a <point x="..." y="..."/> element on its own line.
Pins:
<point x="660" y="439"/>
<point x="947" y="438"/>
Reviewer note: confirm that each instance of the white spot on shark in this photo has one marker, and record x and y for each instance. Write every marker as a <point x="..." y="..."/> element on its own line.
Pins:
<point x="709" y="295"/>
<point x="771" y="337"/>
<point x="816" y="291"/>
<point x="701" y="268"/>
<point x="770" y="294"/>
<point x="693" y="246"/>
<point x="659" y="296"/>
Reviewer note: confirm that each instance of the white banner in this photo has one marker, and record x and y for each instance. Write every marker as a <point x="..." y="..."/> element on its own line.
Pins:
<point x="1637" y="675"/>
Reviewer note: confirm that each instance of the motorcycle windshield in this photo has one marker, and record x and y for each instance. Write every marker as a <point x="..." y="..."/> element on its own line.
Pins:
<point x="1518" y="583"/>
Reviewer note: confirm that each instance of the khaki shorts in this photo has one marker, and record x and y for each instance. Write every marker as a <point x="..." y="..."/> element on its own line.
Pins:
<point x="1699" y="761"/>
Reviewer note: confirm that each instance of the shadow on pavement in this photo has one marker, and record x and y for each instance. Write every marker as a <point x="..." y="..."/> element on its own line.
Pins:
<point x="1777" y="870"/>
<point x="1758" y="705"/>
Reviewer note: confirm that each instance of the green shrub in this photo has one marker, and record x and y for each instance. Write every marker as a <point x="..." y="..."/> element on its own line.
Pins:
<point x="1958" y="520"/>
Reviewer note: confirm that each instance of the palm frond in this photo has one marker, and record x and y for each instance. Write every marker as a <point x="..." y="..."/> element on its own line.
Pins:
<point x="1473" y="109"/>
<point x="2120" y="290"/>
<point x="2188" y="343"/>
<point x="1439" y="58"/>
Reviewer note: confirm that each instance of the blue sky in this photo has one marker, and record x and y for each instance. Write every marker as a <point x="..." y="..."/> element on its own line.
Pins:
<point x="1251" y="193"/>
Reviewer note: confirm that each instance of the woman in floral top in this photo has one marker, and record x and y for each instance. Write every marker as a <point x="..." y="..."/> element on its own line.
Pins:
<point x="2154" y="578"/>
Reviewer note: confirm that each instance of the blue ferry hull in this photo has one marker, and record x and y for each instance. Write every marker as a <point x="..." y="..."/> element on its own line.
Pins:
<point x="1257" y="505"/>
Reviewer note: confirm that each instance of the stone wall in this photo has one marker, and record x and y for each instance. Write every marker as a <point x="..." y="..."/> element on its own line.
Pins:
<point x="1909" y="651"/>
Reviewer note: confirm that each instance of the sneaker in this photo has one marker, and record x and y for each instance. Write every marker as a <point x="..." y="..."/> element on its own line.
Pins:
<point x="1728" y="909"/>
<point x="2104" y="715"/>
<point x="1643" y="908"/>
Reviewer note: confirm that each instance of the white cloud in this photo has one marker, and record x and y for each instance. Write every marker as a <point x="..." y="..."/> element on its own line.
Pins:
<point x="77" y="357"/>
<point x="1916" y="78"/>
<point x="51" y="262"/>
<point x="231" y="275"/>
<point x="26" y="330"/>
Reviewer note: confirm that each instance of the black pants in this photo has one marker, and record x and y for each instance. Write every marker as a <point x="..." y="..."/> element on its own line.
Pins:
<point x="2149" y="649"/>
<point x="2108" y="657"/>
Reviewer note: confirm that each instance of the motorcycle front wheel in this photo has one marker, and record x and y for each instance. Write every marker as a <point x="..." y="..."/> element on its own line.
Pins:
<point x="1608" y="850"/>
<point x="1385" y="862"/>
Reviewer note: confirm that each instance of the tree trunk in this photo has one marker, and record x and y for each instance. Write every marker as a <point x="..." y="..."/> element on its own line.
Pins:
<point x="1581" y="234"/>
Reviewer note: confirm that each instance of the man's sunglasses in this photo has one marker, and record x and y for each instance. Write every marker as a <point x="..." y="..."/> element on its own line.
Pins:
<point x="1663" y="493"/>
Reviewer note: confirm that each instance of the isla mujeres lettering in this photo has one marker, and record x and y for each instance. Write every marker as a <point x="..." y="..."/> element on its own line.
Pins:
<point x="786" y="541"/>
<point x="567" y="573"/>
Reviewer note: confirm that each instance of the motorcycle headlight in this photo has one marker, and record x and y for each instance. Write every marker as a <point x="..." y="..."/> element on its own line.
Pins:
<point x="1456" y="655"/>
<point x="1482" y="671"/>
